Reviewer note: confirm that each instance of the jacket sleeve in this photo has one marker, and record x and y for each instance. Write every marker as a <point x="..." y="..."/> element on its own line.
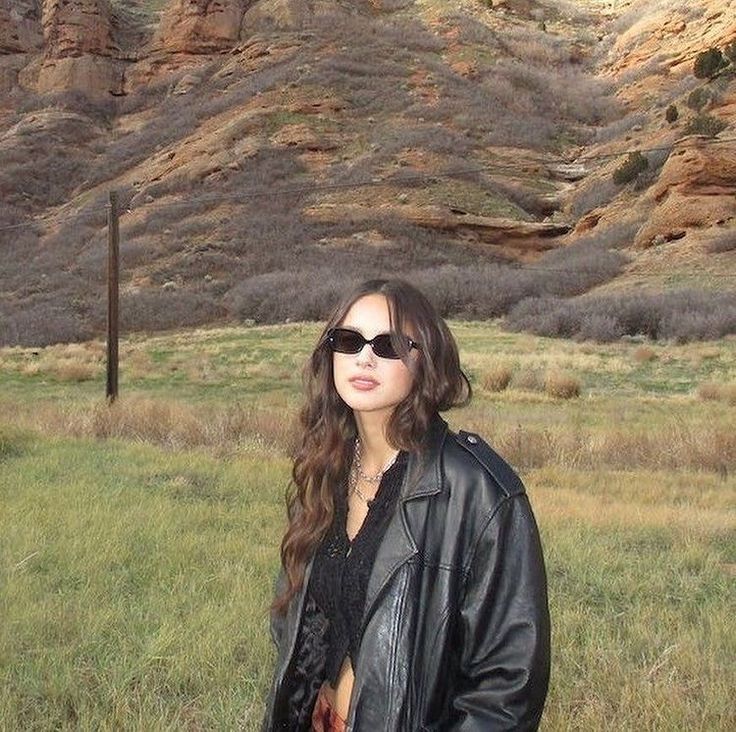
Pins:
<point x="504" y="626"/>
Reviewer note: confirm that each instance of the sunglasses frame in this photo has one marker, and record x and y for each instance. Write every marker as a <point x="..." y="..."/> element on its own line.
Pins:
<point x="330" y="340"/>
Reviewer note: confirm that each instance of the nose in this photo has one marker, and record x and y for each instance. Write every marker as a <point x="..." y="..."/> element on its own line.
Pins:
<point x="365" y="356"/>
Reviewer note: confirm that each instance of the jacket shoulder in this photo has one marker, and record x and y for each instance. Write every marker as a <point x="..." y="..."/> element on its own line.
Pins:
<point x="474" y="453"/>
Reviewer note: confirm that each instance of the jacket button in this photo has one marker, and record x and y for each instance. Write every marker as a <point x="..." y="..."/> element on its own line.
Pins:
<point x="472" y="439"/>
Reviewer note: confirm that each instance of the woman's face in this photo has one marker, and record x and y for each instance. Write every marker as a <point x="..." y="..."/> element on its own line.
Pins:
<point x="367" y="383"/>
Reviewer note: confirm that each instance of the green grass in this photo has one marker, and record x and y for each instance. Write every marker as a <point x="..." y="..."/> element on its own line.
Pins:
<point x="135" y="573"/>
<point x="135" y="586"/>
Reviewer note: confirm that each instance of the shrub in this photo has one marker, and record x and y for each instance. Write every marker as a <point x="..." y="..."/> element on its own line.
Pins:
<point x="561" y="385"/>
<point x="705" y="124"/>
<point x="684" y="315"/>
<point x="729" y="51"/>
<point x="724" y="242"/>
<point x="70" y="370"/>
<point x="590" y="194"/>
<point x="529" y="379"/>
<point x="497" y="378"/>
<point x="712" y="391"/>
<point x="644" y="354"/>
<point x="708" y="63"/>
<point x="698" y="98"/>
<point x="629" y="170"/>
<point x="672" y="113"/>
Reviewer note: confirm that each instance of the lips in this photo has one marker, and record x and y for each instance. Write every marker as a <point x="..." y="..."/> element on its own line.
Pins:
<point x="363" y="383"/>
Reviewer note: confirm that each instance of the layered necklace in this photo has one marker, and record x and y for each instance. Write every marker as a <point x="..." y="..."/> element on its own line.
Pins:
<point x="357" y="474"/>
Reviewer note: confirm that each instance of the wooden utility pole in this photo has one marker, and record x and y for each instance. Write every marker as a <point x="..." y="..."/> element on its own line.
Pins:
<point x="113" y="278"/>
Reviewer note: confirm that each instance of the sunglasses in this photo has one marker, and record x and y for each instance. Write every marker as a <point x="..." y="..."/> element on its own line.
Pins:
<point x="344" y="340"/>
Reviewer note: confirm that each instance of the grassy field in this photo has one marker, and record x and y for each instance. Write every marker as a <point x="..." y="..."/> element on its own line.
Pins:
<point x="138" y="543"/>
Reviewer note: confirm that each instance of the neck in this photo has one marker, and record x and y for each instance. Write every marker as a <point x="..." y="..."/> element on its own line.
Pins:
<point x="375" y="449"/>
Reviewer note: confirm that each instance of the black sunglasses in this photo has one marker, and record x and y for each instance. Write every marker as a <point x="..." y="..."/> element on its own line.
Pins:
<point x="344" y="340"/>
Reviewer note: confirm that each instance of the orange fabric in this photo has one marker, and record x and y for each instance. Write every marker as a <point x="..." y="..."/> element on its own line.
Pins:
<point x="324" y="717"/>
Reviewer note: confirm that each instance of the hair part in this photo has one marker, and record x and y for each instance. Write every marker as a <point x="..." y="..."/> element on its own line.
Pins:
<point x="323" y="458"/>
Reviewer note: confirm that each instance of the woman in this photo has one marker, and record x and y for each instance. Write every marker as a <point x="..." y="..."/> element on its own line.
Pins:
<point x="413" y="593"/>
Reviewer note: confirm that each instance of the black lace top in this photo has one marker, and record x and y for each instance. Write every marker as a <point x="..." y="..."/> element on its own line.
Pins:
<point x="341" y="568"/>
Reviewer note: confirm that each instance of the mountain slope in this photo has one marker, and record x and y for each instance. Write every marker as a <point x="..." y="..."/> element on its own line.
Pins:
<point x="269" y="151"/>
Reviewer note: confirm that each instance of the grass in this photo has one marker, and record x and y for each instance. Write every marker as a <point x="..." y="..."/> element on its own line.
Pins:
<point x="138" y="543"/>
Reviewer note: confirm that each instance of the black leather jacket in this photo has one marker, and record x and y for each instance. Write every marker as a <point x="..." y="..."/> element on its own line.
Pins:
<point x="456" y="625"/>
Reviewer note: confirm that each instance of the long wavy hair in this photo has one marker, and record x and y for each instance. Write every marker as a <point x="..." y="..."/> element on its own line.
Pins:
<point x="323" y="458"/>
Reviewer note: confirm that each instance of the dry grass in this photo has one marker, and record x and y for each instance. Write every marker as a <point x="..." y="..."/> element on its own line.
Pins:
<point x="561" y="385"/>
<point x="71" y="370"/>
<point x="497" y="378"/>
<point x="712" y="391"/>
<point x="644" y="354"/>
<point x="529" y="379"/>
<point x="167" y="423"/>
<point x="176" y="425"/>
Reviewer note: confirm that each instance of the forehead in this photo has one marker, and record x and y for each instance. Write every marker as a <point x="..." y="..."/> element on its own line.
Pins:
<point x="369" y="314"/>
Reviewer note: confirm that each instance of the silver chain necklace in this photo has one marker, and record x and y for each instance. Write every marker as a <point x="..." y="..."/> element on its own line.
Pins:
<point x="357" y="474"/>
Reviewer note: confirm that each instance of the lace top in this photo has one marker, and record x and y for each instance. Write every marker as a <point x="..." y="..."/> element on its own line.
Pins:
<point x="341" y="569"/>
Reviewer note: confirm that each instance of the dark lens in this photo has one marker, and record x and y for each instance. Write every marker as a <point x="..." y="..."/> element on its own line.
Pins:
<point x="346" y="341"/>
<point x="383" y="347"/>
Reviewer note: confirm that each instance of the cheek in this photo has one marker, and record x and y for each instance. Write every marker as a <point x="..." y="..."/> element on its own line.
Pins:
<point x="403" y="379"/>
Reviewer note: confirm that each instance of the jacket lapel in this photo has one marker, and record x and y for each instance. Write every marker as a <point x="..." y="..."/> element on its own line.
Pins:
<point x="398" y="546"/>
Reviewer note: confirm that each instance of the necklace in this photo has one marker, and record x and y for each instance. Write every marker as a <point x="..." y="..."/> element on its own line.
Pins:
<point x="357" y="474"/>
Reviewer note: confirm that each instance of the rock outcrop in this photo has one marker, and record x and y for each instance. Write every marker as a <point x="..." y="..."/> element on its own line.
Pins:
<point x="695" y="190"/>
<point x="81" y="52"/>
<point x="20" y="26"/>
<point x="200" y="26"/>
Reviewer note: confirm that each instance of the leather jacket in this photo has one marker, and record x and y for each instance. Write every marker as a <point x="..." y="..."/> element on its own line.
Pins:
<point x="456" y="625"/>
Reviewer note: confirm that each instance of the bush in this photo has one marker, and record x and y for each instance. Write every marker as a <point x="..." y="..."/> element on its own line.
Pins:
<point x="497" y="378"/>
<point x="629" y="170"/>
<point x="708" y="63"/>
<point x="724" y="242"/>
<point x="705" y="124"/>
<point x="561" y="385"/>
<point x="698" y="98"/>
<point x="712" y="391"/>
<point x="683" y="316"/>
<point x="729" y="51"/>
<point x="644" y="354"/>
<point x="672" y="114"/>
<point x="529" y="379"/>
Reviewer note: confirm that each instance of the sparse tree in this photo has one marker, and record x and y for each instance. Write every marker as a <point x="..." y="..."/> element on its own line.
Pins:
<point x="698" y="98"/>
<point x="730" y="52"/>
<point x="709" y="63"/>
<point x="630" y="169"/>
<point x="672" y="114"/>
<point x="705" y="124"/>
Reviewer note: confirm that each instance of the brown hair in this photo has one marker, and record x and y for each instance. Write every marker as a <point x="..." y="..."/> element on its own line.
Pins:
<point x="328" y="426"/>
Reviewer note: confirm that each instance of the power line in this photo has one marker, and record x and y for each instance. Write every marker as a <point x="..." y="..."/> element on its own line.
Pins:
<point x="40" y="222"/>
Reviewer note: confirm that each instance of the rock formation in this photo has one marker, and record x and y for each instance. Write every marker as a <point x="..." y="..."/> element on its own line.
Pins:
<point x="20" y="26"/>
<point x="694" y="191"/>
<point x="200" y="26"/>
<point x="81" y="53"/>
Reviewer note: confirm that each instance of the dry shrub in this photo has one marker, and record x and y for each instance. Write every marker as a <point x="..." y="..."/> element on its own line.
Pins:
<point x="177" y="425"/>
<point x="725" y="241"/>
<point x="712" y="391"/>
<point x="561" y="385"/>
<point x="644" y="354"/>
<point x="674" y="447"/>
<point x="67" y="369"/>
<point x="497" y="378"/>
<point x="681" y="315"/>
<point x="529" y="379"/>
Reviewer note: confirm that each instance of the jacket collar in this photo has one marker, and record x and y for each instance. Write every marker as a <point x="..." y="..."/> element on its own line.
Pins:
<point x="423" y="473"/>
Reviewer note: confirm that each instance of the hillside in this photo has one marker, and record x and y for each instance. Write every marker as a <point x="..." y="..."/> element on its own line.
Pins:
<point x="266" y="152"/>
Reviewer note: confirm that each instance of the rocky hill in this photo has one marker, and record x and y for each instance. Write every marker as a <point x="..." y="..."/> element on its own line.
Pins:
<point x="267" y="152"/>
